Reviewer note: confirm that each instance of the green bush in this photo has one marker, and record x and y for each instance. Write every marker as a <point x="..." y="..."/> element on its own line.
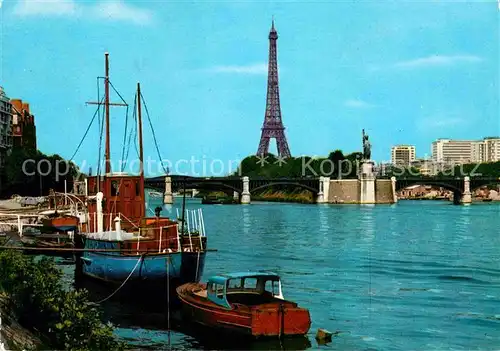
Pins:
<point x="65" y="319"/>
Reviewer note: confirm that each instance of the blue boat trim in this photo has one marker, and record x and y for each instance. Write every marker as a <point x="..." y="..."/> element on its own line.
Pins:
<point x="114" y="267"/>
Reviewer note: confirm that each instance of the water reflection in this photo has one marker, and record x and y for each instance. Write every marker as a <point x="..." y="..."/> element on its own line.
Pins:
<point x="324" y="226"/>
<point x="246" y="220"/>
<point x="368" y="224"/>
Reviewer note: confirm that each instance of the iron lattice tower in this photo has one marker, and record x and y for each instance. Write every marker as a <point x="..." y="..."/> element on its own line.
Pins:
<point x="273" y="124"/>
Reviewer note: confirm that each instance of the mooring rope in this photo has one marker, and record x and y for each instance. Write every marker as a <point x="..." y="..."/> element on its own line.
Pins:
<point x="197" y="266"/>
<point x="124" y="282"/>
<point x="168" y="302"/>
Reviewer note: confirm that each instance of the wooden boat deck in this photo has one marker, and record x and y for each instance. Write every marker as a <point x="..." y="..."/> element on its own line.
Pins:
<point x="201" y="293"/>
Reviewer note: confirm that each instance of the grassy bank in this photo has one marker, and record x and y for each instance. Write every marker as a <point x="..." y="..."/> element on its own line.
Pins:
<point x="297" y="196"/>
<point x="34" y="297"/>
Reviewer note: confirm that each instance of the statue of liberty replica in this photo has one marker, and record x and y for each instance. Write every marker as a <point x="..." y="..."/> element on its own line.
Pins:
<point x="366" y="162"/>
<point x="366" y="147"/>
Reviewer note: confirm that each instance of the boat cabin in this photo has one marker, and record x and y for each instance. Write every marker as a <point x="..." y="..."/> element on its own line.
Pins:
<point x="122" y="193"/>
<point x="250" y="288"/>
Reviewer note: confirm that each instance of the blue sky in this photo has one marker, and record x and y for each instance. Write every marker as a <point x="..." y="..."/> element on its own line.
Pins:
<point x="407" y="72"/>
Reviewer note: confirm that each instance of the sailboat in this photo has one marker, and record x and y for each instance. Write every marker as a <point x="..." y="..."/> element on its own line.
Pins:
<point x="121" y="244"/>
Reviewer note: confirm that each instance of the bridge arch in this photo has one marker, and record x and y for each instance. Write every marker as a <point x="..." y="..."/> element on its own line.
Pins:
<point x="287" y="184"/>
<point x="474" y="185"/>
<point x="402" y="184"/>
<point x="214" y="186"/>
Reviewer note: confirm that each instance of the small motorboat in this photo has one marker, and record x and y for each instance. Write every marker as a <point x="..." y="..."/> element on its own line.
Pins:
<point x="216" y="200"/>
<point x="61" y="222"/>
<point x="250" y="304"/>
<point x="47" y="244"/>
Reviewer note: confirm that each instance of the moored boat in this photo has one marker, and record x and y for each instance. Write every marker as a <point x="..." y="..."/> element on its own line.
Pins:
<point x="216" y="200"/>
<point x="48" y="244"/>
<point x="250" y="304"/>
<point x="61" y="222"/>
<point x="121" y="244"/>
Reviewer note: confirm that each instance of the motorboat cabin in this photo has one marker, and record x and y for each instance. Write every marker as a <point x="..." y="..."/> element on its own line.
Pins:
<point x="247" y="303"/>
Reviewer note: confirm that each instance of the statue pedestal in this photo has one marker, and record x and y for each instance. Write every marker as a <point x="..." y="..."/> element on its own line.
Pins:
<point x="366" y="171"/>
<point x="367" y="179"/>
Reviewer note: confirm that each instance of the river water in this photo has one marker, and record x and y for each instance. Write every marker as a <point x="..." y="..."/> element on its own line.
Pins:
<point x="417" y="275"/>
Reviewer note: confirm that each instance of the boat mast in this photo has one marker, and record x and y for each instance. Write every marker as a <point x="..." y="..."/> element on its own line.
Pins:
<point x="141" y="152"/>
<point x="107" y="155"/>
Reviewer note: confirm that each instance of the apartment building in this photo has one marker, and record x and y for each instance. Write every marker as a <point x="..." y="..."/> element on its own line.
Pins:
<point x="23" y="125"/>
<point x="403" y="155"/>
<point x="491" y="149"/>
<point x="450" y="151"/>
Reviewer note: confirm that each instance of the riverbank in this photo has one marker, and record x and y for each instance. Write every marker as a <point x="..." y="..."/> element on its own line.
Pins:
<point x="10" y="204"/>
<point x="12" y="335"/>
<point x="295" y="196"/>
<point x="42" y="313"/>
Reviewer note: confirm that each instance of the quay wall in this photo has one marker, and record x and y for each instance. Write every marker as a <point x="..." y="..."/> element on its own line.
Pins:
<point x="383" y="191"/>
<point x="348" y="191"/>
<point x="344" y="191"/>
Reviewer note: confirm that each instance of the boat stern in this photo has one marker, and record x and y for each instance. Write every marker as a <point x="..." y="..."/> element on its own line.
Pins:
<point x="285" y="321"/>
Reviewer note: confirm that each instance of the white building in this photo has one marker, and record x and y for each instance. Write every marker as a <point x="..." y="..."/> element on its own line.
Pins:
<point x="491" y="149"/>
<point x="403" y="154"/>
<point x="450" y="151"/>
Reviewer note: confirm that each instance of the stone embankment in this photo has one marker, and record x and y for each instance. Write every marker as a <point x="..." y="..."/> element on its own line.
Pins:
<point x="12" y="335"/>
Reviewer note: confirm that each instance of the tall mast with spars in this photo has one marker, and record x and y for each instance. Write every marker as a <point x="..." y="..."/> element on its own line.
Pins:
<point x="107" y="155"/>
<point x="139" y="136"/>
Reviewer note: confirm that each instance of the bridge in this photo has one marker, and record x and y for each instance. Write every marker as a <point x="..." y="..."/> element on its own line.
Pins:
<point x="245" y="186"/>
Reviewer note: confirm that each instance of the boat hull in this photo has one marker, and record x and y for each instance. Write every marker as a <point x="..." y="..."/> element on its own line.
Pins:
<point x="267" y="320"/>
<point x="63" y="223"/>
<point x="48" y="245"/>
<point x="115" y="267"/>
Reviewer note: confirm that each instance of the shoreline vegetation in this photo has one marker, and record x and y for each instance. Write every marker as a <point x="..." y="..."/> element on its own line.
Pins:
<point x="295" y="196"/>
<point x="43" y="314"/>
<point x="270" y="195"/>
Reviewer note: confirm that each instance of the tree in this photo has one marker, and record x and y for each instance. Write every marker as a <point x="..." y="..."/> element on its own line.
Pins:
<point x="30" y="172"/>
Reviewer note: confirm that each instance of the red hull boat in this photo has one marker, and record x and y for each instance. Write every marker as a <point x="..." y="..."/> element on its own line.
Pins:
<point x="62" y="222"/>
<point x="251" y="304"/>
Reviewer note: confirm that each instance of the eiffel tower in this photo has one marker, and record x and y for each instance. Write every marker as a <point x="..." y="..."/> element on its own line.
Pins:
<point x="273" y="124"/>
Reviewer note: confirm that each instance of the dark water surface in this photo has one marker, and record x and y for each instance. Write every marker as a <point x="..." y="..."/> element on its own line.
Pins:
<point x="421" y="275"/>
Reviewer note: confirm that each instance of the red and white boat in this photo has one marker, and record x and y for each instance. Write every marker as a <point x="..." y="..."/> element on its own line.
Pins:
<point x="251" y="304"/>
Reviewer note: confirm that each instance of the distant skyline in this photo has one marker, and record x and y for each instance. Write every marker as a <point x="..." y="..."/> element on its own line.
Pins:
<point x="406" y="72"/>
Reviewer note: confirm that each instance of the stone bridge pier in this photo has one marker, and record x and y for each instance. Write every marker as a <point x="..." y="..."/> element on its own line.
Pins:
<point x="467" y="195"/>
<point x="324" y="190"/>
<point x="168" y="197"/>
<point x="245" y="195"/>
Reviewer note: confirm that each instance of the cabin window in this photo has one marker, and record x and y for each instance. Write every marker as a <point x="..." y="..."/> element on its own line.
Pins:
<point x="211" y="288"/>
<point x="114" y="188"/>
<point x="250" y="283"/>
<point x="220" y="291"/>
<point x="234" y="284"/>
<point x="137" y="189"/>
<point x="273" y="287"/>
